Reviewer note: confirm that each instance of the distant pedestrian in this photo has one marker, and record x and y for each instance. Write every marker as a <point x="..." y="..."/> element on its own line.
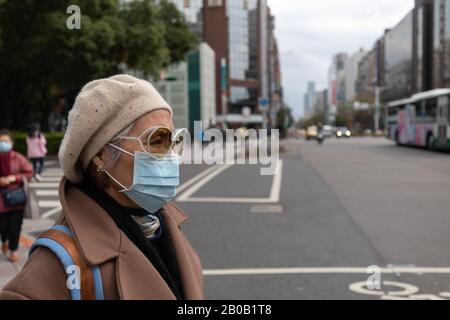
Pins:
<point x="14" y="170"/>
<point x="37" y="150"/>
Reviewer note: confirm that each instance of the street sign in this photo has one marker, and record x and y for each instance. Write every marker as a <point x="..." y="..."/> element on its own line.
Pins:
<point x="263" y="104"/>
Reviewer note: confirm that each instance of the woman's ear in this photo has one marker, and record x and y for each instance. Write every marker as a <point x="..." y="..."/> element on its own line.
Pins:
<point x="98" y="161"/>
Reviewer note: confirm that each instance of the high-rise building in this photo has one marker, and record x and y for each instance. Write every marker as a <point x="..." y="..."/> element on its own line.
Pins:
<point x="441" y="44"/>
<point x="310" y="99"/>
<point x="422" y="67"/>
<point x="367" y="75"/>
<point x="351" y="74"/>
<point x="174" y="89"/>
<point x="399" y="59"/>
<point x="202" y="87"/>
<point x="336" y="85"/>
<point x="239" y="32"/>
<point x="189" y="88"/>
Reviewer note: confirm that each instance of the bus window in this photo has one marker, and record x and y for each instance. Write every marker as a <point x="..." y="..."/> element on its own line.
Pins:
<point x="431" y="108"/>
<point x="392" y="111"/>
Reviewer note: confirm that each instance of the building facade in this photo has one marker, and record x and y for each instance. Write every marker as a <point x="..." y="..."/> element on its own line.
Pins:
<point x="399" y="60"/>
<point x="310" y="99"/>
<point x="174" y="89"/>
<point x="240" y="33"/>
<point x="422" y="46"/>
<point x="351" y="75"/>
<point x="201" y="87"/>
<point x="441" y="44"/>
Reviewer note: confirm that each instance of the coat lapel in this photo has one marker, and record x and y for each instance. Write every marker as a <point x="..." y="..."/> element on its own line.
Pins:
<point x="137" y="278"/>
<point x="189" y="272"/>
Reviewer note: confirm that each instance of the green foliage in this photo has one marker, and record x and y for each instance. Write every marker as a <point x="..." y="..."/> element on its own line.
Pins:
<point x="284" y="120"/>
<point x="53" y="142"/>
<point x="42" y="61"/>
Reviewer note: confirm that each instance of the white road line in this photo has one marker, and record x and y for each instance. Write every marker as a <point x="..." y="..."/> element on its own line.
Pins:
<point x="51" y="162"/>
<point x="202" y="182"/>
<point x="52" y="170"/>
<point x="46" y="193"/>
<point x="52" y="175"/>
<point x="330" y="270"/>
<point x="51" y="212"/>
<point x="51" y="179"/>
<point x="274" y="193"/>
<point x="48" y="204"/>
<point x="276" y="184"/>
<point x="187" y="184"/>
<point x="229" y="200"/>
<point x="38" y="185"/>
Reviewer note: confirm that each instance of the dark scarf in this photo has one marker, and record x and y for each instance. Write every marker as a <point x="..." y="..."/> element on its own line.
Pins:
<point x="159" y="252"/>
<point x="5" y="164"/>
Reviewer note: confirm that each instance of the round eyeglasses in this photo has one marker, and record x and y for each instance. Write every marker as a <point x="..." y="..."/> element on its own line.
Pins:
<point x="159" y="142"/>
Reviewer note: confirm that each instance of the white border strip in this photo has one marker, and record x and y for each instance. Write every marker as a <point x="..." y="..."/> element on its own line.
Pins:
<point x="274" y="193"/>
<point x="330" y="270"/>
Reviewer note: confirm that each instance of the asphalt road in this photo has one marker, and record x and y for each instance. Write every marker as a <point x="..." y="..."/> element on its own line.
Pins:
<point x="343" y="206"/>
<point x="339" y="209"/>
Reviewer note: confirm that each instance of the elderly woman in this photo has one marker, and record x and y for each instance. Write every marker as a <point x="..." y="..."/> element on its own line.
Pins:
<point x="119" y="236"/>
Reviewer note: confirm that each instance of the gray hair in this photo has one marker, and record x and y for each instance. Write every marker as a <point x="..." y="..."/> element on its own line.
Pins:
<point x="112" y="154"/>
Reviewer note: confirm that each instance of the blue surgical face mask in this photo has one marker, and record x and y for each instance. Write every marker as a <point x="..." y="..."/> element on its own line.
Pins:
<point x="5" y="146"/>
<point x="154" y="181"/>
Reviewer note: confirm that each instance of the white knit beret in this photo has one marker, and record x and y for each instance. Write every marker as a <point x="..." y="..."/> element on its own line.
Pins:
<point x="102" y="109"/>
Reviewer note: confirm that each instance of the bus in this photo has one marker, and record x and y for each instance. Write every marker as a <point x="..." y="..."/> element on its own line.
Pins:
<point x="421" y="120"/>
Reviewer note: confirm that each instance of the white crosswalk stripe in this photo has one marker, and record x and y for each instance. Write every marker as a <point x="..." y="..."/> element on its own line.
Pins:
<point x="46" y="191"/>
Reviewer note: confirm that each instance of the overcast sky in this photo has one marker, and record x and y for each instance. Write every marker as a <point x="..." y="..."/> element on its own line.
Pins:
<point x="310" y="32"/>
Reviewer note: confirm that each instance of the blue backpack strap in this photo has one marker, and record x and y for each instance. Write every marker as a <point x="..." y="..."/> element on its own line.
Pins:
<point x="60" y="240"/>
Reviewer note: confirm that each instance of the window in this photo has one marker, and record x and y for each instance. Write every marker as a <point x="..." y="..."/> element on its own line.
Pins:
<point x="215" y="3"/>
<point x="431" y="108"/>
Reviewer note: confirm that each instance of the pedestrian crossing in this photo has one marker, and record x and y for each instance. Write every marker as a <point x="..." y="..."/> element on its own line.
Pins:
<point x="46" y="192"/>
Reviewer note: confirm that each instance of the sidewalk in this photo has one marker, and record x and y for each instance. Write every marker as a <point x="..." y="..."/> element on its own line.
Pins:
<point x="30" y="230"/>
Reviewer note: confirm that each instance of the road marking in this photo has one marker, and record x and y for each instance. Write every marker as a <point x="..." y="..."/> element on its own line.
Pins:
<point x="48" y="203"/>
<point x="52" y="212"/>
<point x="211" y="175"/>
<point x="50" y="179"/>
<point x="52" y="174"/>
<point x="266" y="209"/>
<point x="52" y="170"/>
<point x="276" y="185"/>
<point x="43" y="185"/>
<point x="196" y="178"/>
<point x="326" y="270"/>
<point x="229" y="200"/>
<point x="405" y="289"/>
<point x="46" y="193"/>
<point x="274" y="193"/>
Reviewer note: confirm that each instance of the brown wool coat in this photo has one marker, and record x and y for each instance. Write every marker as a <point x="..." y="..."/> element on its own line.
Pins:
<point x="126" y="272"/>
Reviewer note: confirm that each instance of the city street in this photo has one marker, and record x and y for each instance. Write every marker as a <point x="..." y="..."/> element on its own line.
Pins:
<point x="312" y="230"/>
<point x="347" y="204"/>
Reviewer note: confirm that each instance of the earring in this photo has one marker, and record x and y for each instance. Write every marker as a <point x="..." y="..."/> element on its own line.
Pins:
<point x="100" y="169"/>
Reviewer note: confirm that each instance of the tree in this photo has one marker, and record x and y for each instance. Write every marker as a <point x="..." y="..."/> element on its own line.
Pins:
<point x="42" y="61"/>
<point x="284" y="120"/>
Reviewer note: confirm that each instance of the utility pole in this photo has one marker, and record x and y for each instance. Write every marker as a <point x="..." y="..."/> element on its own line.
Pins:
<point x="377" y="110"/>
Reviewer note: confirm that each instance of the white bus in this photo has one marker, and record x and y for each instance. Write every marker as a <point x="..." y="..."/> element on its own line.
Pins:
<point x="421" y="120"/>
